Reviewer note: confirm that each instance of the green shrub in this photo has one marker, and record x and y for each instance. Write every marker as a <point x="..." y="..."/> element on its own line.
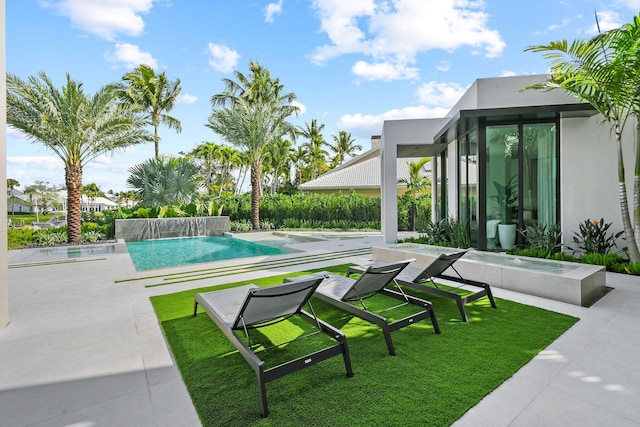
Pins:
<point x="243" y="225"/>
<point x="538" y="237"/>
<point x="607" y="260"/>
<point x="446" y="232"/>
<point x="52" y="238"/>
<point x="594" y="238"/>
<point x="92" y="236"/>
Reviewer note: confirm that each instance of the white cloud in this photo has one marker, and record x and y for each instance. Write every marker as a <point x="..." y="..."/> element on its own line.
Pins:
<point x="271" y="10"/>
<point x="187" y="99"/>
<point x="301" y="107"/>
<point x="607" y="20"/>
<point x="37" y="162"/>
<point x="394" y="32"/>
<point x="630" y="4"/>
<point x="384" y="71"/>
<point x="440" y="94"/>
<point x="105" y="18"/>
<point x="131" y="56"/>
<point x="223" y="58"/>
<point x="365" y="125"/>
<point x="443" y="66"/>
<point x="508" y="73"/>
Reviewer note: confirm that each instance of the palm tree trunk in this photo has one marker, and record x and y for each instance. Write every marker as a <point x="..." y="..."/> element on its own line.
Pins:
<point x="73" y="178"/>
<point x="636" y="188"/>
<point x="256" y="184"/>
<point x="634" y="254"/>
<point x="156" y="140"/>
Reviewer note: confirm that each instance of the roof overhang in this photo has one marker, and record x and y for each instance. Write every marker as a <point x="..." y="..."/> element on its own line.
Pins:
<point x="465" y="119"/>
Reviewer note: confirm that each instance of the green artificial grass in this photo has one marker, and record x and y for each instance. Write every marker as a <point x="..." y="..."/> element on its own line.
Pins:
<point x="433" y="380"/>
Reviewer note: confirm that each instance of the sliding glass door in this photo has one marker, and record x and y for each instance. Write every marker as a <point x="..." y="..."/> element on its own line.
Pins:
<point x="521" y="185"/>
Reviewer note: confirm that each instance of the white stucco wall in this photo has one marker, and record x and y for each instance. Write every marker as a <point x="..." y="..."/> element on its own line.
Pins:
<point x="589" y="174"/>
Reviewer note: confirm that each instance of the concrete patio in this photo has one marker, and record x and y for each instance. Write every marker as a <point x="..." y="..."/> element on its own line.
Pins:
<point x="83" y="350"/>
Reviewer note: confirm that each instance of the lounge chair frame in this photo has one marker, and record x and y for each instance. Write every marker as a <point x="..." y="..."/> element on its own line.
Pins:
<point x="348" y="300"/>
<point x="253" y="296"/>
<point x="424" y="281"/>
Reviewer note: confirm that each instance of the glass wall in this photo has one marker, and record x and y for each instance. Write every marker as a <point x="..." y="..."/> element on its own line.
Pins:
<point x="502" y="182"/>
<point x="539" y="175"/>
<point x="467" y="179"/>
<point x="521" y="185"/>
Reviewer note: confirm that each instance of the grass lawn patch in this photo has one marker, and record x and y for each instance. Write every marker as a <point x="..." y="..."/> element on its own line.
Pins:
<point x="433" y="380"/>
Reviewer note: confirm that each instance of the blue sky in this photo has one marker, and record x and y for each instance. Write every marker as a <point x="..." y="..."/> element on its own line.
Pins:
<point x="351" y="63"/>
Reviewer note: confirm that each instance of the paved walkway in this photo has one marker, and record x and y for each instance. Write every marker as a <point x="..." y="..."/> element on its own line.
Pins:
<point x="85" y="350"/>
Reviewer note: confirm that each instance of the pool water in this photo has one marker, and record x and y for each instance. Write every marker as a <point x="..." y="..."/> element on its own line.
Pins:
<point x="61" y="253"/>
<point x="163" y="253"/>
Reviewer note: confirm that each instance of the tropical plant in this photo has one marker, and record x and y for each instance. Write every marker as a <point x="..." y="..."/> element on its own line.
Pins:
<point x="164" y="181"/>
<point x="539" y="237"/>
<point x="445" y="232"/>
<point x="278" y="162"/>
<point x="344" y="146"/>
<point x="417" y="183"/>
<point x="314" y="147"/>
<point x="92" y="191"/>
<point x="605" y="72"/>
<point x="77" y="127"/>
<point x="506" y="198"/>
<point x="593" y="237"/>
<point x="251" y="113"/>
<point x="154" y="94"/>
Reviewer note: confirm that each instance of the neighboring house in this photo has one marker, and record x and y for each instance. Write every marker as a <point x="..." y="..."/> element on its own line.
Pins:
<point x="97" y="204"/>
<point x="18" y="203"/>
<point x="545" y="151"/>
<point x="361" y="173"/>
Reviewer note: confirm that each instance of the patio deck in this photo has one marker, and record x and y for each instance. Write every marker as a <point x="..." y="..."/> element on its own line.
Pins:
<point x="84" y="350"/>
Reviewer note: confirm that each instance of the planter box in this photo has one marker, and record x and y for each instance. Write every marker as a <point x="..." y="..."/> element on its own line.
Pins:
<point x="164" y="228"/>
<point x="579" y="284"/>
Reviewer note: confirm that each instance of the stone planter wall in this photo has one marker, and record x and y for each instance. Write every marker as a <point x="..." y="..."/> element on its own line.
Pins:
<point x="574" y="283"/>
<point x="165" y="228"/>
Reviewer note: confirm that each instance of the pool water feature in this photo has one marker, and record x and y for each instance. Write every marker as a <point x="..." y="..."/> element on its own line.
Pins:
<point x="164" y="253"/>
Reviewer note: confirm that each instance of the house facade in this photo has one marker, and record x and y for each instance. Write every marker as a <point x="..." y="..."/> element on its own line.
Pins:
<point x="362" y="174"/>
<point x="505" y="158"/>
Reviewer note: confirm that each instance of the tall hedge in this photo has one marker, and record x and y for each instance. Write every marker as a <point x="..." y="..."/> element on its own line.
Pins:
<point x="319" y="210"/>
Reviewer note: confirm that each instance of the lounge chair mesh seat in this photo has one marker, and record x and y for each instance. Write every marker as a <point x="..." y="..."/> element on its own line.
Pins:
<point x="247" y="307"/>
<point x="423" y="280"/>
<point x="350" y="295"/>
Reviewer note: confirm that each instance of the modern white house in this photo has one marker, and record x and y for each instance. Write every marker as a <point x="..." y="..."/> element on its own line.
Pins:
<point x="548" y="153"/>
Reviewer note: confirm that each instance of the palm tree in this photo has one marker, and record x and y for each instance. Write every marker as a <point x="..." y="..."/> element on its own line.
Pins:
<point x="11" y="185"/>
<point x="317" y="155"/>
<point x="229" y="159"/>
<point x="92" y="191"/>
<point x="417" y="183"/>
<point x="127" y="197"/>
<point x="279" y="160"/>
<point x="77" y="127"/>
<point x="154" y="94"/>
<point x="166" y="181"/>
<point x="251" y="113"/>
<point x="605" y="71"/>
<point x="207" y="154"/>
<point x="344" y="146"/>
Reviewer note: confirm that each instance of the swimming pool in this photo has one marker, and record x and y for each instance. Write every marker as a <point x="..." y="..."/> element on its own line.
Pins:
<point x="59" y="253"/>
<point x="163" y="253"/>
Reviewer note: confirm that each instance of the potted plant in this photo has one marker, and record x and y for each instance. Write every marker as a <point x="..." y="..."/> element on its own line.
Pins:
<point x="506" y="199"/>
